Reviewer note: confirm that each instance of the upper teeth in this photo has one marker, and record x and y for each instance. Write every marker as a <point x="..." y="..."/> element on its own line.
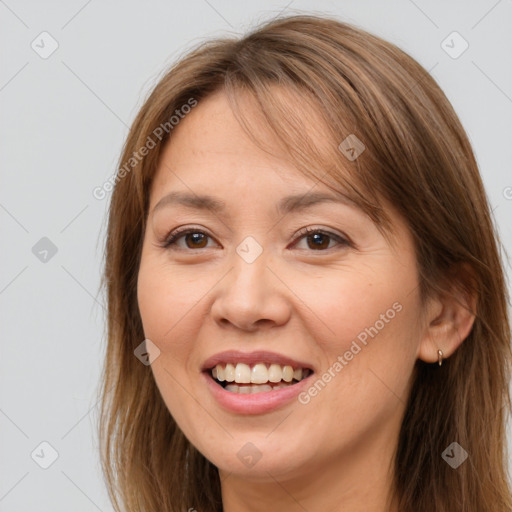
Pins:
<point x="242" y="373"/>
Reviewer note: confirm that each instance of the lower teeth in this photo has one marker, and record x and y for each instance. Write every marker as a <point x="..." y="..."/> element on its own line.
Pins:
<point x="256" y="388"/>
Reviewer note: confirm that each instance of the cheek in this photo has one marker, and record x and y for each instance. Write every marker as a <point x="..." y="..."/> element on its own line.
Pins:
<point x="366" y="326"/>
<point x="166" y="309"/>
<point x="166" y="304"/>
<point x="349" y="304"/>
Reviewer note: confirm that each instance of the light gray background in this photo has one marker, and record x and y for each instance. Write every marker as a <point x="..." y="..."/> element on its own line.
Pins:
<point x="63" y="121"/>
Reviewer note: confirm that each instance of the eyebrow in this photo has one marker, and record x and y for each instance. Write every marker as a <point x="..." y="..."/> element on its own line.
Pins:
<point x="286" y="205"/>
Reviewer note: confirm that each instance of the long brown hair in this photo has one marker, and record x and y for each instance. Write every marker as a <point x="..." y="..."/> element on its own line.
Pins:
<point x="416" y="156"/>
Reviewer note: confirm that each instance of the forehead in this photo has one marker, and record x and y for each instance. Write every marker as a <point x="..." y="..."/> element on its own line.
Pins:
<point x="214" y="127"/>
<point x="209" y="145"/>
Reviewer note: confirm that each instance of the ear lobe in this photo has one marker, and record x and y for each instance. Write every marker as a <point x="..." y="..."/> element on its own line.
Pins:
<point x="450" y="319"/>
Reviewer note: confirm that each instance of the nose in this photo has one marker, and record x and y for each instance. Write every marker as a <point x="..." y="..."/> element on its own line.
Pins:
<point x="252" y="296"/>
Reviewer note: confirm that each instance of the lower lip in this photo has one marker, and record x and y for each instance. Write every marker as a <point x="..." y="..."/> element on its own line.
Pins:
<point x="254" y="403"/>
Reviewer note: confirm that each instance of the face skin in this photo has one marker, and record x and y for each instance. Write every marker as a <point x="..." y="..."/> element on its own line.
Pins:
<point x="200" y="297"/>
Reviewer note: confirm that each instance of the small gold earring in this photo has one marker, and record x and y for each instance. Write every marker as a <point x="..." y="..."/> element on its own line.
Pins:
<point x="440" y="357"/>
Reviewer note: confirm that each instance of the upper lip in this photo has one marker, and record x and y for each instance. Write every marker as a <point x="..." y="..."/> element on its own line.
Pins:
<point x="259" y="356"/>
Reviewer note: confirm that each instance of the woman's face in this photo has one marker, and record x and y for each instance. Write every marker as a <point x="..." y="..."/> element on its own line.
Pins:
<point x="248" y="287"/>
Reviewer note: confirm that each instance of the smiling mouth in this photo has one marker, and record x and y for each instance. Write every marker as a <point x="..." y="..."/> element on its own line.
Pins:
<point x="258" y="378"/>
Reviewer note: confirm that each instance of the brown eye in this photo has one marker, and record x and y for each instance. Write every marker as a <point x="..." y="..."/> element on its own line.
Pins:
<point x="319" y="240"/>
<point x="194" y="239"/>
<point x="197" y="240"/>
<point x="316" y="239"/>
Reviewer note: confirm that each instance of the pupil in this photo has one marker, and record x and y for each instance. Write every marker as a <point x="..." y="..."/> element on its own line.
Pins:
<point x="196" y="238"/>
<point x="319" y="245"/>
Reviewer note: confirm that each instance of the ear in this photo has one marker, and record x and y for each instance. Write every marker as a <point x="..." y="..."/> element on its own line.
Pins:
<point x="449" y="316"/>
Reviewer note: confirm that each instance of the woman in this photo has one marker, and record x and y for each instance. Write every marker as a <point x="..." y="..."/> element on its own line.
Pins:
<point x="307" y="307"/>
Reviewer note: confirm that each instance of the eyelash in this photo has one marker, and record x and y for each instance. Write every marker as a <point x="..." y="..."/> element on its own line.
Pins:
<point x="172" y="238"/>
